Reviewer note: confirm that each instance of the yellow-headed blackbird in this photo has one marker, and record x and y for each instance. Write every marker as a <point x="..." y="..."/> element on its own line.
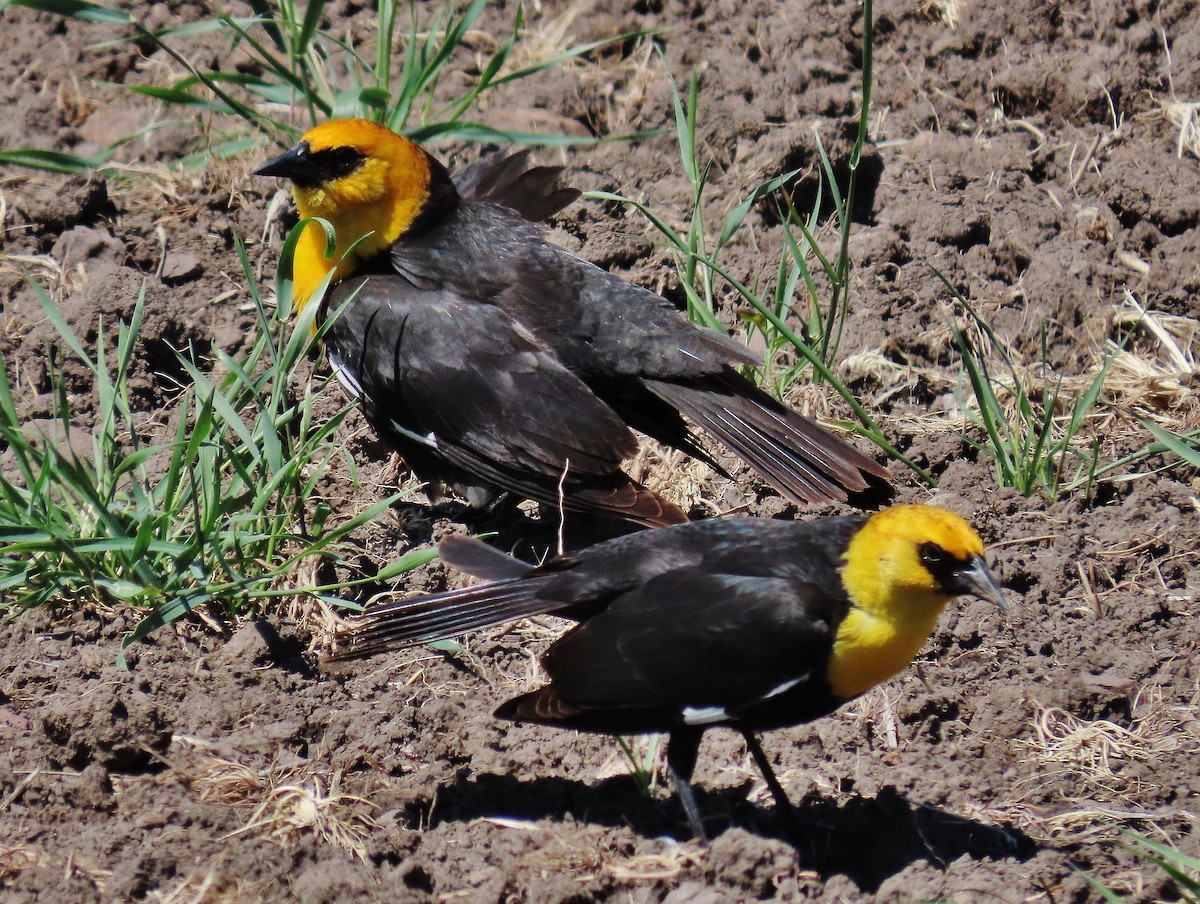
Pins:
<point x="750" y="623"/>
<point x="495" y="361"/>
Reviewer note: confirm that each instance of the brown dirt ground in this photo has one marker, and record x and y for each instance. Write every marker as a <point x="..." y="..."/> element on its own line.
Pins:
<point x="1027" y="153"/>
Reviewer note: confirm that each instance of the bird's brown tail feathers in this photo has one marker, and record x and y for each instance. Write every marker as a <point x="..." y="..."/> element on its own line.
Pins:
<point x="631" y="501"/>
<point x="797" y="457"/>
<point x="542" y="705"/>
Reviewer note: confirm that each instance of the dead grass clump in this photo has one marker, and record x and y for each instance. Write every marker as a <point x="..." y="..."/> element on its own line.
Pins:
<point x="1093" y="758"/>
<point x="686" y="481"/>
<point x="312" y="805"/>
<point x="213" y="886"/>
<point x="1102" y="771"/>
<point x="18" y="859"/>
<point x="589" y="855"/>
<point x="1152" y="374"/>
<point x="290" y="802"/>
<point x="1185" y="117"/>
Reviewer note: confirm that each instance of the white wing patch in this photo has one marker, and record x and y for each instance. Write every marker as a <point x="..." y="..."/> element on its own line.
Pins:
<point x="347" y="379"/>
<point x="784" y="688"/>
<point x="704" y="715"/>
<point x="711" y="715"/>
<point x="427" y="440"/>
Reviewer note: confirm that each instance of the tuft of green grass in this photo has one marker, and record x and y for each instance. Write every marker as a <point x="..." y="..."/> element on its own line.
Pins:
<point x="297" y="73"/>
<point x="1033" y="448"/>
<point x="642" y="759"/>
<point x="220" y="516"/>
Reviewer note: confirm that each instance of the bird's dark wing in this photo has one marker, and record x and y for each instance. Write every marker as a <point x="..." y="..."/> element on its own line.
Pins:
<point x="727" y="569"/>
<point x="451" y="371"/>
<point x="598" y="325"/>
<point x="635" y="350"/>
<point x="701" y="645"/>
<point x="455" y="381"/>
<point x="508" y="180"/>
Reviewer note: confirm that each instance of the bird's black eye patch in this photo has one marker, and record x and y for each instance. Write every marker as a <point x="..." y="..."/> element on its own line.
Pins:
<point x="932" y="555"/>
<point x="943" y="565"/>
<point x="334" y="163"/>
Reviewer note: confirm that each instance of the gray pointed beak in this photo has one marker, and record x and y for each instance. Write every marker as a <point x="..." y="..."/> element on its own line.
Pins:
<point x="977" y="581"/>
<point x="295" y="163"/>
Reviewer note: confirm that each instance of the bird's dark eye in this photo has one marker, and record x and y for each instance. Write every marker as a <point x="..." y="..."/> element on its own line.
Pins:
<point x="932" y="555"/>
<point x="338" y="162"/>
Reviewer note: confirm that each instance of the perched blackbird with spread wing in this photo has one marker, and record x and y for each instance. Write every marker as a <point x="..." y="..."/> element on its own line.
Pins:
<point x="495" y="361"/>
<point x="749" y="623"/>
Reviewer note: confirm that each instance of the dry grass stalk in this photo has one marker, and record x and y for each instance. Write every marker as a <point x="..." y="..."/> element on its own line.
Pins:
<point x="214" y="886"/>
<point x="1185" y="117"/>
<point x="18" y="858"/>
<point x="588" y="854"/>
<point x="1092" y="824"/>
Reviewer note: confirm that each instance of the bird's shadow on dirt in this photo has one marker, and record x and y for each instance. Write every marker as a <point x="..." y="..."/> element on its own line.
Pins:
<point x="867" y="840"/>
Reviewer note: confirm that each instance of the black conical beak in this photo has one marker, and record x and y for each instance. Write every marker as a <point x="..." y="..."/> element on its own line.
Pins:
<point x="295" y="163"/>
<point x="977" y="581"/>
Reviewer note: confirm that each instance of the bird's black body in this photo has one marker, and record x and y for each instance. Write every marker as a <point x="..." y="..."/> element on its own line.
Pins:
<point x="725" y="622"/>
<point x="715" y="622"/>
<point x="493" y="360"/>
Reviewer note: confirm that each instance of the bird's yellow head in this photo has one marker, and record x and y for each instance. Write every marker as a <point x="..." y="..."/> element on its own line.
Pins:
<point x="367" y="181"/>
<point x="901" y="569"/>
<point x="914" y="558"/>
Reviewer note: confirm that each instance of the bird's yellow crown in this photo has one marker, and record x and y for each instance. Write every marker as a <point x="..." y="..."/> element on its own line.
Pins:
<point x="895" y="597"/>
<point x="378" y="198"/>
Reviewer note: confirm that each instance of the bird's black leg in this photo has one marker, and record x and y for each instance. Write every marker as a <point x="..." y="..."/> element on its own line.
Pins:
<point x="782" y="804"/>
<point x="683" y="746"/>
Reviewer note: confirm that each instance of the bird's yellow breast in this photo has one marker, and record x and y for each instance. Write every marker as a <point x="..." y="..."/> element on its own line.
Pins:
<point x="870" y="649"/>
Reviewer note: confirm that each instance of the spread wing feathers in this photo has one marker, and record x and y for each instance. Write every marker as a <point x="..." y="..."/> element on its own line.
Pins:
<point x="684" y="640"/>
<point x="796" y="456"/>
<point x="532" y="192"/>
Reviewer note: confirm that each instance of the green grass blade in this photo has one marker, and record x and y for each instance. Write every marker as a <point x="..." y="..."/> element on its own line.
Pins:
<point x="78" y="9"/>
<point x="1185" y="447"/>
<point x="52" y="161"/>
